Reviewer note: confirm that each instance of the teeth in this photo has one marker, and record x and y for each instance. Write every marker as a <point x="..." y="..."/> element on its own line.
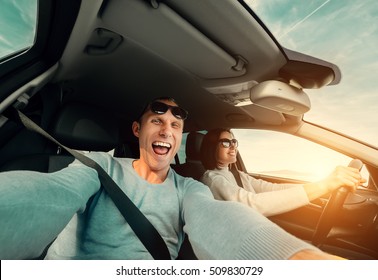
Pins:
<point x="162" y="144"/>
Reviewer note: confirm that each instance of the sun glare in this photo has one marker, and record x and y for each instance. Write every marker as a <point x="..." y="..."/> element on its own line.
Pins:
<point x="283" y="155"/>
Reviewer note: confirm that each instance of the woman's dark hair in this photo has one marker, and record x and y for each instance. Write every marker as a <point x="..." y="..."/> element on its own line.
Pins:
<point x="209" y="147"/>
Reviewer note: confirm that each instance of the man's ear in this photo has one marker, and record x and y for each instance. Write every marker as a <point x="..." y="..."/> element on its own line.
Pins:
<point x="136" y="128"/>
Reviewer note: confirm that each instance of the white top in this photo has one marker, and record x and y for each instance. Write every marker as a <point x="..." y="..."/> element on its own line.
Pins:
<point x="267" y="198"/>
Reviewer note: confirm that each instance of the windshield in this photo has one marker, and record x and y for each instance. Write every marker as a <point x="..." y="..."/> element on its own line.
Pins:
<point x="343" y="32"/>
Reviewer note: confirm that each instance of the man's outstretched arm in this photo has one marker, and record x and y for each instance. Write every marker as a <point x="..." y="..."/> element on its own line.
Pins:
<point x="230" y="230"/>
<point x="35" y="207"/>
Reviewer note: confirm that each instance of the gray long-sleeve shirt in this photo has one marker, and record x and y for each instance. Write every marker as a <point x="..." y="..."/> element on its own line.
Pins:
<point x="36" y="207"/>
<point x="267" y="198"/>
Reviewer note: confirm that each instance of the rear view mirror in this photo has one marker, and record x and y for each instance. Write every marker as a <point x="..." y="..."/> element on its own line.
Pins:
<point x="281" y="97"/>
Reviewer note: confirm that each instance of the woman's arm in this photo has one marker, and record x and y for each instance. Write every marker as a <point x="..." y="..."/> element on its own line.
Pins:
<point x="342" y="176"/>
<point x="267" y="203"/>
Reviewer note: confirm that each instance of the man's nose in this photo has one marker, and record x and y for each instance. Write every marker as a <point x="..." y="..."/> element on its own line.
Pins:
<point x="166" y="131"/>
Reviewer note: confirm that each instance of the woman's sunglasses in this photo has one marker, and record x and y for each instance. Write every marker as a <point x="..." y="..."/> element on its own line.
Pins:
<point x="226" y="143"/>
<point x="161" y="108"/>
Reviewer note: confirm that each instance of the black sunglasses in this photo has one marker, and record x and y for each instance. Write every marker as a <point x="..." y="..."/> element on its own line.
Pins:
<point x="226" y="143"/>
<point x="161" y="108"/>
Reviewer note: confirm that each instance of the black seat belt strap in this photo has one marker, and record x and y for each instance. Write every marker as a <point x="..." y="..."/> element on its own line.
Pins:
<point x="142" y="227"/>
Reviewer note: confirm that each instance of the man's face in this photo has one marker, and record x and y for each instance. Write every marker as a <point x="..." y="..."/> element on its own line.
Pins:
<point x="159" y="138"/>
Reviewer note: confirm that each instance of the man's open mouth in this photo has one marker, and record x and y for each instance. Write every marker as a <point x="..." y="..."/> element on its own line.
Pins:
<point x="161" y="148"/>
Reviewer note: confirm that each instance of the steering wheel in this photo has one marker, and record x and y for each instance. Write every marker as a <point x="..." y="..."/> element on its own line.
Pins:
<point x="332" y="209"/>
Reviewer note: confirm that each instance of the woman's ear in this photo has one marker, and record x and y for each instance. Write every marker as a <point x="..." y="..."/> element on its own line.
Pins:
<point x="136" y="128"/>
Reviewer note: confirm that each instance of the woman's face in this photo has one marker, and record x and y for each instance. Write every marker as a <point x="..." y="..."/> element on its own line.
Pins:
<point x="225" y="156"/>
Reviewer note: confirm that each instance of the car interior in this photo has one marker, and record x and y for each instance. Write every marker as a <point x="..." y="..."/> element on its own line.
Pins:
<point x="95" y="64"/>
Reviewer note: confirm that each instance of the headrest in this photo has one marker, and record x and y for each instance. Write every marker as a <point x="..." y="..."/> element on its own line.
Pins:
<point x="86" y="128"/>
<point x="193" y="145"/>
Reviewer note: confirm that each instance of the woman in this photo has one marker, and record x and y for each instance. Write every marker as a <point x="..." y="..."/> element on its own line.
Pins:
<point x="218" y="153"/>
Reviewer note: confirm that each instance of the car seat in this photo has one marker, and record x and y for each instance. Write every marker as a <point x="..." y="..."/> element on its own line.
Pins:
<point x="78" y="126"/>
<point x="192" y="167"/>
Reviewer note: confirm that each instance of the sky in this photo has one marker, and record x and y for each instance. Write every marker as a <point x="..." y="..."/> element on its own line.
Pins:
<point x="345" y="33"/>
<point x="17" y="21"/>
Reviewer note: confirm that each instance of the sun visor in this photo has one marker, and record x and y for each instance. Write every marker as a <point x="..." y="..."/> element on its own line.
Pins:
<point x="163" y="31"/>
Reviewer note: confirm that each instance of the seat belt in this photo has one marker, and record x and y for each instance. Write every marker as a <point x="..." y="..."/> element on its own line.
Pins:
<point x="142" y="227"/>
<point x="235" y="172"/>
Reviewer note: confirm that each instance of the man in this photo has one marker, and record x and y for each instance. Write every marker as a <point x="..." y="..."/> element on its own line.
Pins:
<point x="70" y="204"/>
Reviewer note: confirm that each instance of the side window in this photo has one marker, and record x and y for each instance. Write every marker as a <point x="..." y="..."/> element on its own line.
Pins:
<point x="283" y="155"/>
<point x="18" y="21"/>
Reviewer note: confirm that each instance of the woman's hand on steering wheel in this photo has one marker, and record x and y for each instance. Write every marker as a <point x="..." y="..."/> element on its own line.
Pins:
<point x="340" y="183"/>
<point x="344" y="176"/>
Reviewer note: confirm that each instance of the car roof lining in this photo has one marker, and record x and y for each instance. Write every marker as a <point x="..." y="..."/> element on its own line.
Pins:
<point x="83" y="79"/>
<point x="142" y="72"/>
